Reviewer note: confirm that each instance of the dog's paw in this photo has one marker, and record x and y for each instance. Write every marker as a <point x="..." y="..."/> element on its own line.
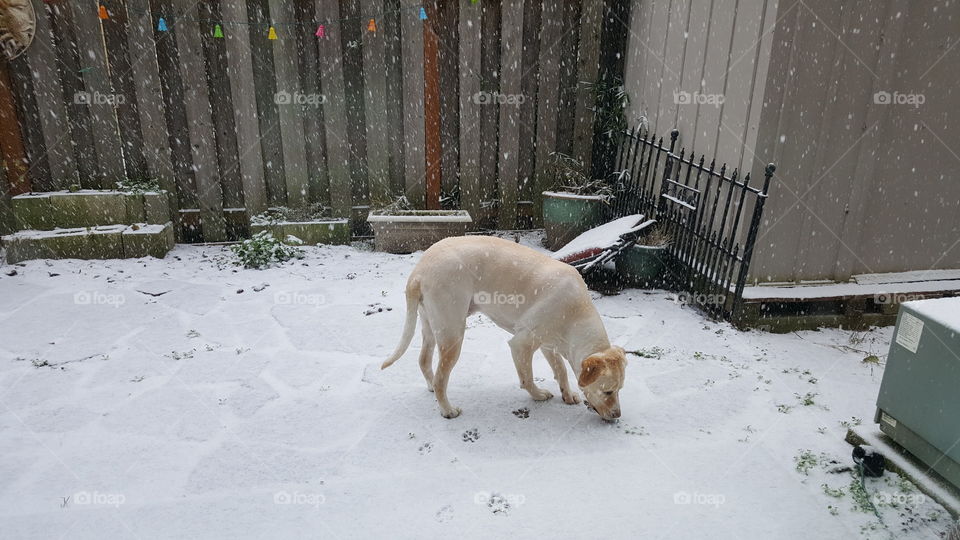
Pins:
<point x="452" y="413"/>
<point x="540" y="394"/>
<point x="570" y="398"/>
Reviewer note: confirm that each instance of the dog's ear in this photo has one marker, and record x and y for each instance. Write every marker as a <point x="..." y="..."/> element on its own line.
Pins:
<point x="590" y="369"/>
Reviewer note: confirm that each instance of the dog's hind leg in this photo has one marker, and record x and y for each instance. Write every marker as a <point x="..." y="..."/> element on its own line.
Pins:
<point x="449" y="354"/>
<point x="560" y="374"/>
<point x="426" y="350"/>
<point x="522" y="346"/>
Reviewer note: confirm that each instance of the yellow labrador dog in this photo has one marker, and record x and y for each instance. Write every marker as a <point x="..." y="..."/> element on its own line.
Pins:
<point x="544" y="303"/>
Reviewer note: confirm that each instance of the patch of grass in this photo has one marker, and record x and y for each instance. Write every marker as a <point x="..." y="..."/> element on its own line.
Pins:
<point x="835" y="493"/>
<point x="652" y="352"/>
<point x="805" y="461"/>
<point x="807" y="399"/>
<point x="263" y="250"/>
<point x="785" y="409"/>
<point x="861" y="499"/>
<point x="854" y="421"/>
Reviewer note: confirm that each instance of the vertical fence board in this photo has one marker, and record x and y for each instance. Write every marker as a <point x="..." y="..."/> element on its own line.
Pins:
<point x="222" y="111"/>
<point x="354" y="24"/>
<point x="569" y="81"/>
<point x="96" y="80"/>
<point x="394" y="67"/>
<point x="447" y="29"/>
<point x="243" y="91"/>
<point x="307" y="41"/>
<point x="335" y="119"/>
<point x="41" y="58"/>
<point x="115" y="31"/>
<point x="28" y="113"/>
<point x="489" y="88"/>
<point x="588" y="66"/>
<point x="469" y="133"/>
<point x="12" y="147"/>
<point x="548" y="102"/>
<point x="290" y="113"/>
<point x="414" y="143"/>
<point x="431" y="108"/>
<point x="145" y="75"/>
<point x="511" y="73"/>
<point x="528" y="109"/>
<point x="264" y="74"/>
<point x="196" y="103"/>
<point x="375" y="105"/>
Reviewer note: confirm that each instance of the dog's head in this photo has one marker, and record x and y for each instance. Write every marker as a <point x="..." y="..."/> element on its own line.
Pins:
<point x="601" y="378"/>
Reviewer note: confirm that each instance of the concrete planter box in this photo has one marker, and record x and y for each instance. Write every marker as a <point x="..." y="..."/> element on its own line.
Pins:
<point x="88" y="208"/>
<point x="106" y="242"/>
<point x="407" y="231"/>
<point x="642" y="266"/>
<point x="567" y="215"/>
<point x="327" y="231"/>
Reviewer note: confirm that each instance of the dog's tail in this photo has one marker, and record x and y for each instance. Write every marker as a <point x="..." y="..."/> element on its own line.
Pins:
<point x="410" y="325"/>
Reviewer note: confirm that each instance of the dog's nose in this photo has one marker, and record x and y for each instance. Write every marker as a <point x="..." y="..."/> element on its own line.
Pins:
<point x="615" y="414"/>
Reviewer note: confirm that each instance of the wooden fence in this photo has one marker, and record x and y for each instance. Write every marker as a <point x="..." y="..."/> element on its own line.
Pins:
<point x="458" y="101"/>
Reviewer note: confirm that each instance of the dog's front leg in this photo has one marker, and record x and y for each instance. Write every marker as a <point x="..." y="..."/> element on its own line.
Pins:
<point x="522" y="346"/>
<point x="560" y="374"/>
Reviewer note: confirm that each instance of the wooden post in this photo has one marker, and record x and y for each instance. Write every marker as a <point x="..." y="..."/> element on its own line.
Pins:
<point x="145" y="74"/>
<point x="548" y="102"/>
<point x="588" y="65"/>
<point x="511" y="78"/>
<point x="431" y="105"/>
<point x="200" y="126"/>
<point x="11" y="144"/>
<point x="96" y="81"/>
<point x="290" y="112"/>
<point x="470" y="196"/>
<point x="331" y="76"/>
<point x="375" y="105"/>
<point x="413" y="98"/>
<point x="240" y="73"/>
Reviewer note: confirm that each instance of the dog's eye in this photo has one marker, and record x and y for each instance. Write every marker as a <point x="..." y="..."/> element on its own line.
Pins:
<point x="609" y="392"/>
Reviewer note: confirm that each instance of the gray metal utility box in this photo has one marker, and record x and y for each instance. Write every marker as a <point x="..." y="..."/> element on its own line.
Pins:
<point x="919" y="401"/>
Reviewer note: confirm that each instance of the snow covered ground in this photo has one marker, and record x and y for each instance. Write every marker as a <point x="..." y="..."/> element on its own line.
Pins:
<point x="187" y="398"/>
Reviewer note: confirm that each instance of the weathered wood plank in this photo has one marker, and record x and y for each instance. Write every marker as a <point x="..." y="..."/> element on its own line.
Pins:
<point x="375" y="105"/>
<point x="222" y="107"/>
<point x="511" y="88"/>
<point x="313" y="135"/>
<point x="431" y="103"/>
<point x="489" y="117"/>
<point x="548" y="102"/>
<point x="528" y="108"/>
<point x="42" y="59"/>
<point x="264" y="74"/>
<point x="354" y="24"/>
<point x="38" y="167"/>
<point x="469" y="133"/>
<point x="588" y="66"/>
<point x="145" y="74"/>
<point x="12" y="146"/>
<point x="447" y="30"/>
<point x="413" y="112"/>
<point x="118" y="57"/>
<point x="394" y="66"/>
<point x="96" y="80"/>
<point x="245" y="114"/>
<point x="335" y="120"/>
<point x="196" y="103"/>
<point x="291" y="112"/>
<point x="569" y="81"/>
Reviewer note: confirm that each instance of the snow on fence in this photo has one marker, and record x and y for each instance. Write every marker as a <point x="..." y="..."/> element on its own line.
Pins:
<point x="237" y="105"/>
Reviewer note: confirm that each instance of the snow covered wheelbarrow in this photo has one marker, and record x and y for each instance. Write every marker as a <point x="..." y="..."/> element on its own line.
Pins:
<point x="616" y="240"/>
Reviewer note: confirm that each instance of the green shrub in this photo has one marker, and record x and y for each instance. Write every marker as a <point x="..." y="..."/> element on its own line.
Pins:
<point x="263" y="250"/>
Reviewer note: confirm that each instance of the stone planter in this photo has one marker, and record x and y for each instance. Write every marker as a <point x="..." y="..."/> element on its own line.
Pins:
<point x="407" y="231"/>
<point x="566" y="215"/>
<point x="325" y="231"/>
<point x="642" y="266"/>
<point x="101" y="242"/>
<point x="88" y="208"/>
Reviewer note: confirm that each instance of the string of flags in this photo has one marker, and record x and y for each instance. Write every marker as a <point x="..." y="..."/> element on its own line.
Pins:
<point x="321" y="31"/>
